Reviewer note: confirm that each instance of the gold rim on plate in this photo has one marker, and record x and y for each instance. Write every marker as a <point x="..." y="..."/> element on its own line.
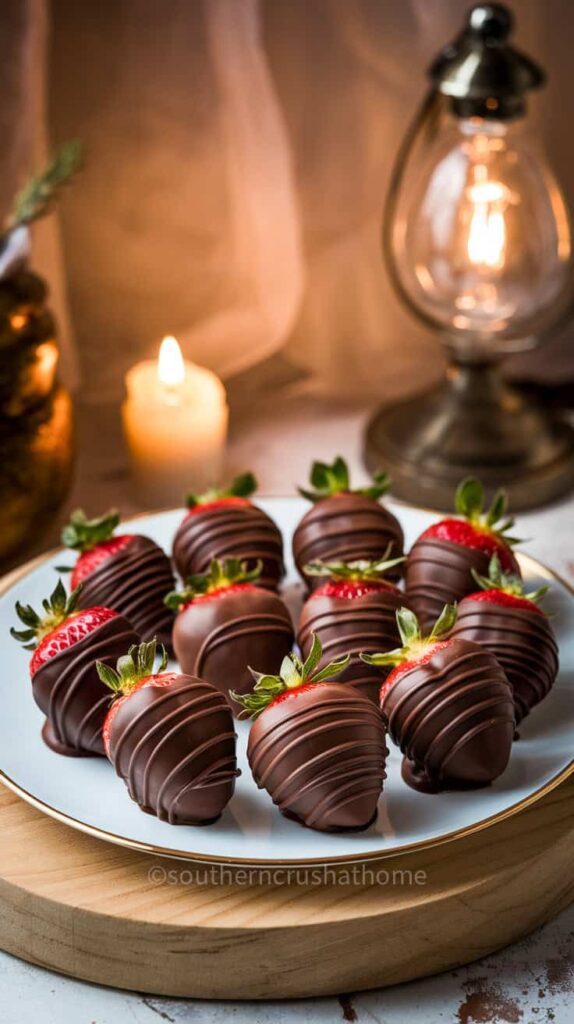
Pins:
<point x="360" y="858"/>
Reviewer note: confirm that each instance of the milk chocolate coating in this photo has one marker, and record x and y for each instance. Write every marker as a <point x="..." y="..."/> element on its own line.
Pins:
<point x="320" y="754"/>
<point x="521" y="641"/>
<point x="219" y="638"/>
<point x="69" y="691"/>
<point x="174" y="747"/>
<point x="134" y="582"/>
<point x="438" y="572"/>
<point x="453" y="718"/>
<point x="349" y="626"/>
<point x="346" y="528"/>
<point x="230" y="531"/>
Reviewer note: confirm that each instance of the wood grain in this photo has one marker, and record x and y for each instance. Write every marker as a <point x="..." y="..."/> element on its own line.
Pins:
<point x="89" y="909"/>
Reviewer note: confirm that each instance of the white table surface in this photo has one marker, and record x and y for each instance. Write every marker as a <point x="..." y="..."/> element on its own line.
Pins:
<point x="531" y="982"/>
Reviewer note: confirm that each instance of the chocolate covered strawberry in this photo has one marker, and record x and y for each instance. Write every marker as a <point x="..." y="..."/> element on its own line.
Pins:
<point x="67" y="643"/>
<point x="509" y="623"/>
<point x="352" y="610"/>
<point x="170" y="738"/>
<point x="345" y="525"/>
<point x="317" y="746"/>
<point x="440" y="563"/>
<point x="127" y="572"/>
<point x="448" y="706"/>
<point x="225" y="622"/>
<point x="226" y="524"/>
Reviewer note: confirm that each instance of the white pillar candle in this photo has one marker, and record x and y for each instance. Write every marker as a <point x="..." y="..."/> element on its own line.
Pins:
<point x="175" y="424"/>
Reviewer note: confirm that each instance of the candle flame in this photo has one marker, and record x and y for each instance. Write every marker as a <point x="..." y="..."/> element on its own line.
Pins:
<point x="170" y="367"/>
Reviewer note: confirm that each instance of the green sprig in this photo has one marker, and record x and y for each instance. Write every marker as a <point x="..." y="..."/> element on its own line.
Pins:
<point x="328" y="480"/>
<point x="39" y="194"/>
<point x="132" y="667"/>
<point x="57" y="608"/>
<point x="242" y="487"/>
<point x="292" y="674"/>
<point x="83" y="534"/>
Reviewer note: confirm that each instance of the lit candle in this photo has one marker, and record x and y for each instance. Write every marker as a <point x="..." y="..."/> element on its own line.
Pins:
<point x="175" y="424"/>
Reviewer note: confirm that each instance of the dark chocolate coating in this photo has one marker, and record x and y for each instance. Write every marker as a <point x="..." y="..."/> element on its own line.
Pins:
<point x="522" y="641"/>
<point x="438" y="572"/>
<point x="320" y="754"/>
<point x="174" y="747"/>
<point x="349" y="626"/>
<point x="346" y="528"/>
<point x="219" y="638"/>
<point x="69" y="691"/>
<point x="134" y="581"/>
<point x="230" y="531"/>
<point x="453" y="717"/>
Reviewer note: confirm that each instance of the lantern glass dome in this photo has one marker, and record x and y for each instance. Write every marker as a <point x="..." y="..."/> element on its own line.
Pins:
<point x="477" y="233"/>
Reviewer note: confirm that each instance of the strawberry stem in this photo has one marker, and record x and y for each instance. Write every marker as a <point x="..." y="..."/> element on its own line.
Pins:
<point x="413" y="642"/>
<point x="361" y="571"/>
<point x="57" y="608"/>
<point x="469" y="503"/>
<point x="83" y="534"/>
<point x="242" y="487"/>
<point x="223" y="573"/>
<point x="292" y="674"/>
<point x="509" y="583"/>
<point x="328" y="480"/>
<point x="132" y="667"/>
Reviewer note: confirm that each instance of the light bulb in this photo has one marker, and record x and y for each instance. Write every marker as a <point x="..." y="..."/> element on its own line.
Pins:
<point x="479" y="239"/>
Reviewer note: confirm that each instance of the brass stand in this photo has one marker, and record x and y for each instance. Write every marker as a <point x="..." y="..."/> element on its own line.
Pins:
<point x="472" y="424"/>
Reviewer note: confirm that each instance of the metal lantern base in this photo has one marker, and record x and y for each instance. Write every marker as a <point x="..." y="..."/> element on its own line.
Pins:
<point x="472" y="424"/>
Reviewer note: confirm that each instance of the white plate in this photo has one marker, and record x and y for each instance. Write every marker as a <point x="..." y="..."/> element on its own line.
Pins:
<point x="87" y="795"/>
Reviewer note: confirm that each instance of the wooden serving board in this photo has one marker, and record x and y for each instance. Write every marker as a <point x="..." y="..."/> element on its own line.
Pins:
<point x="85" y="908"/>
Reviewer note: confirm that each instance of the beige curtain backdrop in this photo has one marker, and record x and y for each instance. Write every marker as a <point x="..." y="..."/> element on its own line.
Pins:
<point x="238" y="153"/>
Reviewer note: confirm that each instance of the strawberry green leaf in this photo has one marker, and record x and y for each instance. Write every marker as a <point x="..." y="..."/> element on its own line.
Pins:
<point x="445" y="621"/>
<point x="498" y="508"/>
<point x="361" y="571"/>
<point x="469" y="499"/>
<point x="242" y="487"/>
<point x="132" y="667"/>
<point x="292" y="674"/>
<point x="328" y="480"/>
<point x="83" y="534"/>
<point x="223" y="573"/>
<point x="56" y="609"/>
<point x="409" y="629"/>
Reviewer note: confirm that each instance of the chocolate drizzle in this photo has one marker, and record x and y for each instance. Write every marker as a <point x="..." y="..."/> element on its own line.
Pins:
<point x="438" y="572"/>
<point x="174" y="746"/>
<point x="367" y="623"/>
<point x="217" y="639"/>
<point x="522" y="641"/>
<point x="320" y="754"/>
<point x="69" y="691"/>
<point x="229" y="531"/>
<point x="452" y="717"/>
<point x="346" y="528"/>
<point x="134" y="581"/>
